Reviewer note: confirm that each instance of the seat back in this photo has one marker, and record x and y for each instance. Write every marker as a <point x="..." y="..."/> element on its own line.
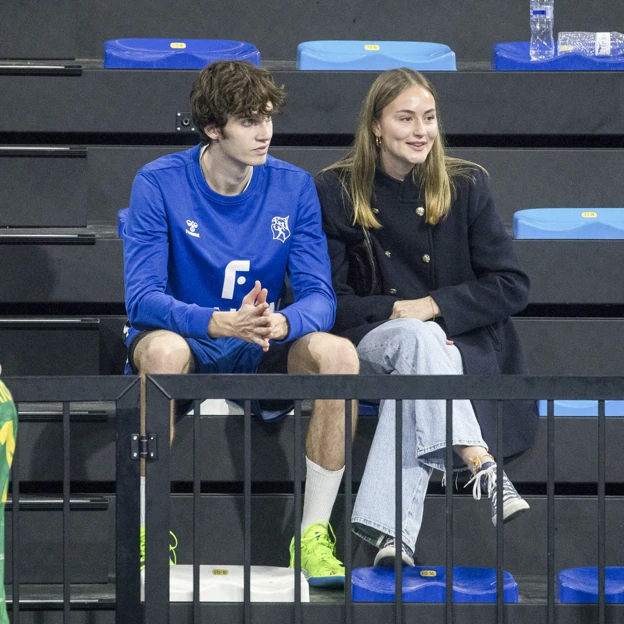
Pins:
<point x="374" y="55"/>
<point x="569" y="223"/>
<point x="175" y="53"/>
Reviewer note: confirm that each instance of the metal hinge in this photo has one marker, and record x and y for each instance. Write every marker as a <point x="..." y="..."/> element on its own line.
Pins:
<point x="144" y="447"/>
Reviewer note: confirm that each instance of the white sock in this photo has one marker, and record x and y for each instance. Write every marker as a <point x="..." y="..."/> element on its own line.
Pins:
<point x="142" y="502"/>
<point x="320" y="494"/>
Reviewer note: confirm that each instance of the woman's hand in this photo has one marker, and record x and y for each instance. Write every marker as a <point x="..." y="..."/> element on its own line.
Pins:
<point x="422" y="309"/>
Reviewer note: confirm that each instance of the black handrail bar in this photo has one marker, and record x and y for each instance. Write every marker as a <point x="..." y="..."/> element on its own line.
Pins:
<point x="75" y="389"/>
<point x="373" y="387"/>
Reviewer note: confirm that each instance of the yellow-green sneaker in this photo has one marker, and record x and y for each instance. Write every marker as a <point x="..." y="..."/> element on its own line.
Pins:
<point x="172" y="547"/>
<point x="318" y="557"/>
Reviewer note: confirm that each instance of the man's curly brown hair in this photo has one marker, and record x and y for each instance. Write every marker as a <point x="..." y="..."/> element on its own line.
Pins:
<point x="233" y="89"/>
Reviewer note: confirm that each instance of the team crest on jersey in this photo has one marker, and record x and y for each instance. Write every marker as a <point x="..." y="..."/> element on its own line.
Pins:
<point x="279" y="227"/>
<point x="192" y="226"/>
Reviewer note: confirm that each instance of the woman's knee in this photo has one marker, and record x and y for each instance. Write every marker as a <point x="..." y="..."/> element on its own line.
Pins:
<point x="401" y="346"/>
<point x="399" y="334"/>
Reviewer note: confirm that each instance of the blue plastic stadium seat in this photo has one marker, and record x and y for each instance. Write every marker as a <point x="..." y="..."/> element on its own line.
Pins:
<point x="175" y="53"/>
<point x="515" y="56"/>
<point x="374" y="55"/>
<point x="580" y="585"/>
<point x="582" y="408"/>
<point x="569" y="223"/>
<point x="428" y="584"/>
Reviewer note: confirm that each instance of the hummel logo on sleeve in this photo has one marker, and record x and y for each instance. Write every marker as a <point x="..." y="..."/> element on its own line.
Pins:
<point x="192" y="225"/>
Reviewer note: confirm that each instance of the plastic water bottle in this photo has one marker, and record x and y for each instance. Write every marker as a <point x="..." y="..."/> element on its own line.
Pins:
<point x="542" y="42"/>
<point x="606" y="44"/>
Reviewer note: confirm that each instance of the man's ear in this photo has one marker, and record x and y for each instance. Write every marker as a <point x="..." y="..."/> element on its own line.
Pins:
<point x="212" y="132"/>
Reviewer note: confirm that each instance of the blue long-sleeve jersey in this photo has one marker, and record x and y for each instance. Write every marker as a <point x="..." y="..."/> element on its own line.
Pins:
<point x="189" y="251"/>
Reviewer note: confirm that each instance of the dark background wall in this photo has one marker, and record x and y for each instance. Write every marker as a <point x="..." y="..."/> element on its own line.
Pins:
<point x="78" y="28"/>
<point x="548" y="140"/>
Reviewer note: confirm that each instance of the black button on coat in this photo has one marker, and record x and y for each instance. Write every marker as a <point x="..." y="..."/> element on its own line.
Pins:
<point x="473" y="275"/>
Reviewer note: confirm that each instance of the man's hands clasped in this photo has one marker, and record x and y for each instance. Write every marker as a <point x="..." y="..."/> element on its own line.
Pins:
<point x="252" y="322"/>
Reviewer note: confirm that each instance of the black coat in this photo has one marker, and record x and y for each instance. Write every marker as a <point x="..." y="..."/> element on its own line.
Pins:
<point x="466" y="263"/>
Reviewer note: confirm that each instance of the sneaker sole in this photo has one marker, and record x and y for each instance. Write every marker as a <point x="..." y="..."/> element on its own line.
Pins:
<point x="514" y="509"/>
<point x="386" y="556"/>
<point x="326" y="581"/>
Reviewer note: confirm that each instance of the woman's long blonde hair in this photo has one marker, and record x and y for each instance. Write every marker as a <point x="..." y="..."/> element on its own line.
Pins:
<point x="357" y="168"/>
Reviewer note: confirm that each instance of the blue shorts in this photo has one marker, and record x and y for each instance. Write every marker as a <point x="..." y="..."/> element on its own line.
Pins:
<point x="227" y="356"/>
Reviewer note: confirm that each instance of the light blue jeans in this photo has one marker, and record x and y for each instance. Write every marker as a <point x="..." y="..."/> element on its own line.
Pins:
<point x="408" y="347"/>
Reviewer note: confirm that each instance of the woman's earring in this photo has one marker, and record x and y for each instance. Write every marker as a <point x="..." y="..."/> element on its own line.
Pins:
<point x="377" y="141"/>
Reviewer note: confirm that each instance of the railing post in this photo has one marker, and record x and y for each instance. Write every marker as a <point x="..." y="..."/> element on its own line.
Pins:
<point x="127" y="512"/>
<point x="247" y="511"/>
<point x="449" y="512"/>
<point x="197" y="524"/>
<point x="297" y="509"/>
<point x="15" y="534"/>
<point x="157" y="507"/>
<point x="398" y="521"/>
<point x="500" y="543"/>
<point x="601" y="512"/>
<point x="348" y="492"/>
<point x="550" y="511"/>
<point x="66" y="512"/>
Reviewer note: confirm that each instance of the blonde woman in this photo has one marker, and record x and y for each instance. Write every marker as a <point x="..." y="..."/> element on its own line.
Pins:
<point x="426" y="280"/>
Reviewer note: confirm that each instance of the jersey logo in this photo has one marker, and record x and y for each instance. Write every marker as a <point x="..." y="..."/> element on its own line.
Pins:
<point x="192" y="226"/>
<point x="279" y="227"/>
<point x="234" y="267"/>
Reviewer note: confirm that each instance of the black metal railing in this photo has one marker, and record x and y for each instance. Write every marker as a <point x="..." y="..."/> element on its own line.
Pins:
<point x="161" y="390"/>
<point x="124" y="392"/>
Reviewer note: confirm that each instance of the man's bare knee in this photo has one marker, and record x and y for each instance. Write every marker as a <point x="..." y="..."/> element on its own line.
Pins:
<point x="162" y="352"/>
<point x="324" y="354"/>
<point x="339" y="357"/>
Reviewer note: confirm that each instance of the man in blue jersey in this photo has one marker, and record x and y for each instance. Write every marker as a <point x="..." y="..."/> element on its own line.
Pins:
<point x="210" y="236"/>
